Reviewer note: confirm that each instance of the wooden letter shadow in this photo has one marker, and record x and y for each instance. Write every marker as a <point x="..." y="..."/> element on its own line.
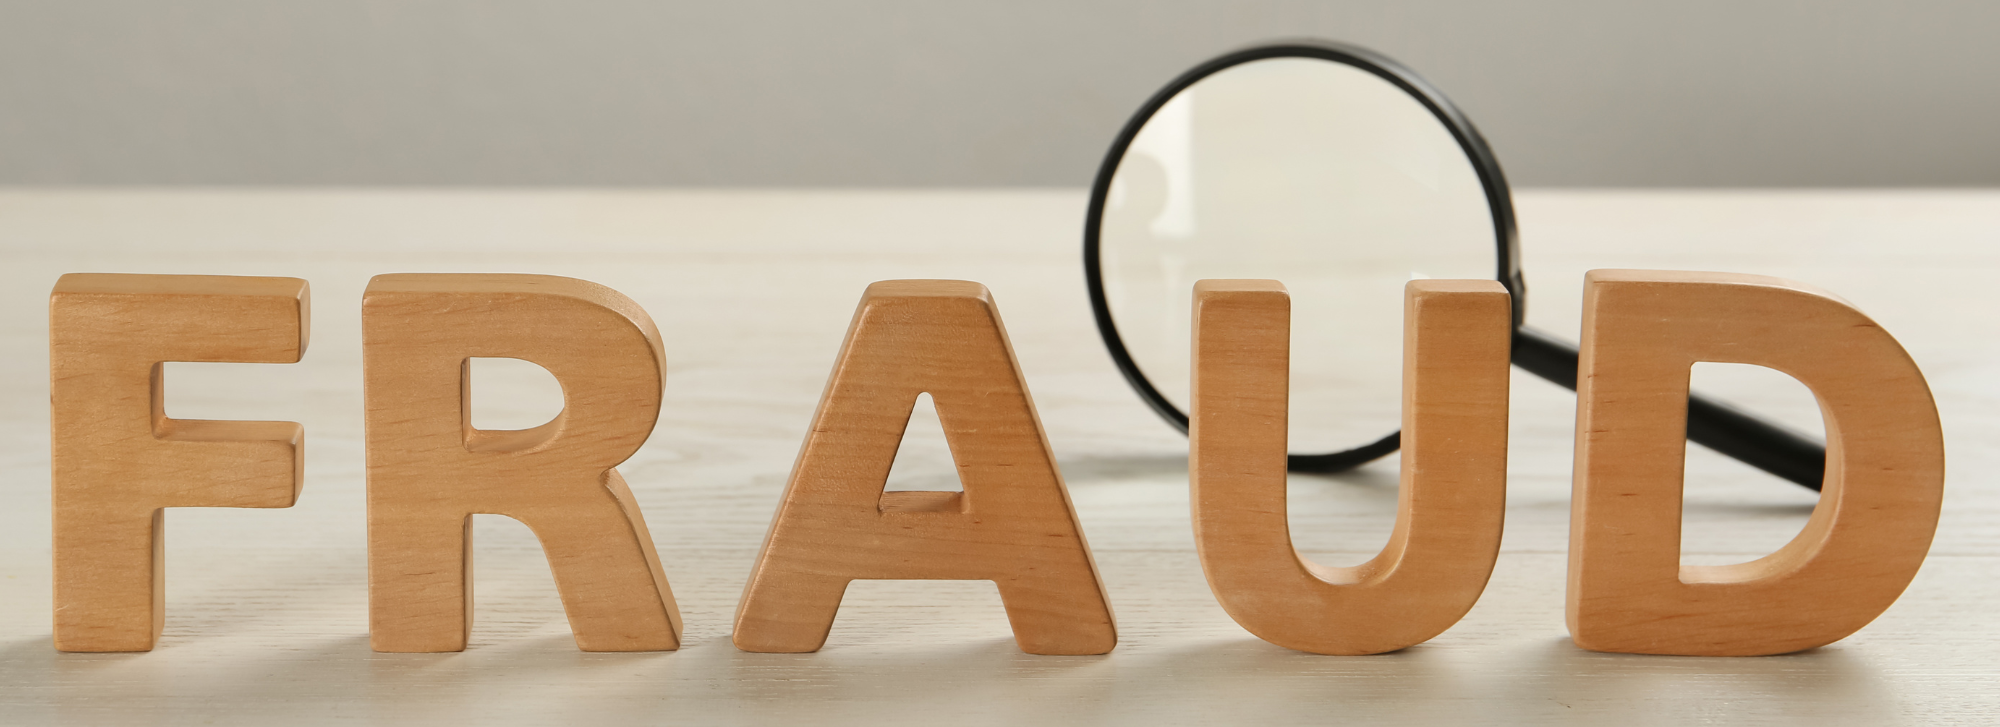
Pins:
<point x="116" y="459"/>
<point x="1453" y="494"/>
<point x="1643" y="330"/>
<point x="1013" y="524"/>
<point x="429" y="471"/>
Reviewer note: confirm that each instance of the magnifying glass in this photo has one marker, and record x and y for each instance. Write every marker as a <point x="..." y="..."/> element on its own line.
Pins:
<point x="1344" y="175"/>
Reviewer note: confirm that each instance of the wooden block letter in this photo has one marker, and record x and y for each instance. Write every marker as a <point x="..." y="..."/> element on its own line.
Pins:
<point x="1453" y="494"/>
<point x="429" y="470"/>
<point x="1013" y="524"/>
<point x="117" y="460"/>
<point x="1642" y="332"/>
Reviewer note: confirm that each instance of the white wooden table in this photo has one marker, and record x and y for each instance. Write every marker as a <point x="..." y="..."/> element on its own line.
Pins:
<point x="753" y="290"/>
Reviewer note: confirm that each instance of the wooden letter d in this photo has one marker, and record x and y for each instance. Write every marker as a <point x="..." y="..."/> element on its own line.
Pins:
<point x="1642" y="332"/>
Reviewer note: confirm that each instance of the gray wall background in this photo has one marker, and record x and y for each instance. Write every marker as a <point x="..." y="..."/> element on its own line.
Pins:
<point x="939" y="92"/>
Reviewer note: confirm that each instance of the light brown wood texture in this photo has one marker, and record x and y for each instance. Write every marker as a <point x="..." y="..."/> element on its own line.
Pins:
<point x="1013" y="524"/>
<point x="753" y="291"/>
<point x="1453" y="490"/>
<point x="1628" y="591"/>
<point x="429" y="470"/>
<point x="117" y="461"/>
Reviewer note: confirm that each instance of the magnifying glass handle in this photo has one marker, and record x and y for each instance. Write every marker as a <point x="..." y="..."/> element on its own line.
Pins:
<point x="1710" y="423"/>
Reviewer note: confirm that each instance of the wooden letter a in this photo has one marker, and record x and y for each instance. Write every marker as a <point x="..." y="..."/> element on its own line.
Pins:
<point x="429" y="470"/>
<point x="1454" y="484"/>
<point x="1013" y="525"/>
<point x="1642" y="332"/>
<point x="118" y="460"/>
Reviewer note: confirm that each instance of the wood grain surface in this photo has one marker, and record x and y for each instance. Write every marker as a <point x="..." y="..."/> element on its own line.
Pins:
<point x="752" y="292"/>
<point x="117" y="461"/>
<point x="1011" y="523"/>
<point x="430" y="470"/>
<point x="1643" y="331"/>
<point x="1451" y="493"/>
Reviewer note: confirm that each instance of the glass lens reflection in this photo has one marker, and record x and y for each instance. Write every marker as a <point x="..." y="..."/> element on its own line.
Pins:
<point x="1314" y="173"/>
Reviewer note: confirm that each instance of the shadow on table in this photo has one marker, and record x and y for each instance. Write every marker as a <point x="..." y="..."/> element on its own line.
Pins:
<point x="986" y="681"/>
<point x="1558" y="682"/>
<point x="544" y="679"/>
<point x="1747" y="510"/>
<point x="1091" y="470"/>
<point x="202" y="682"/>
<point x="1097" y="469"/>
<point x="1249" y="681"/>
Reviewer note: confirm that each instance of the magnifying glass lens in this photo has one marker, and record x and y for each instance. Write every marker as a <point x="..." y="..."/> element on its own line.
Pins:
<point x="1317" y="174"/>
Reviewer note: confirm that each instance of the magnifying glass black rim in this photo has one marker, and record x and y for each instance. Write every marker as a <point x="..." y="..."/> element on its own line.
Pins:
<point x="1498" y="200"/>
